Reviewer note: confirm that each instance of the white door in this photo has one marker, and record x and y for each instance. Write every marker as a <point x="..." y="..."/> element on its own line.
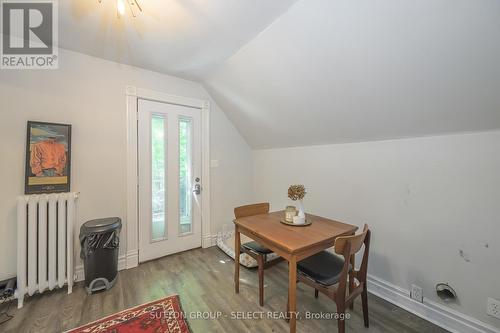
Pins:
<point x="169" y="150"/>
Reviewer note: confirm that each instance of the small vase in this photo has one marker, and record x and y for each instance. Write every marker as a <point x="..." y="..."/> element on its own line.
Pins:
<point x="301" y="212"/>
<point x="290" y="212"/>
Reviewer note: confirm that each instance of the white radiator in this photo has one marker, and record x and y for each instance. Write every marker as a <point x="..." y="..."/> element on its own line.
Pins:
<point x="44" y="243"/>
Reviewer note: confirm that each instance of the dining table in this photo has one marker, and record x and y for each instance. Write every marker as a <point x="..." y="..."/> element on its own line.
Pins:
<point x="291" y="242"/>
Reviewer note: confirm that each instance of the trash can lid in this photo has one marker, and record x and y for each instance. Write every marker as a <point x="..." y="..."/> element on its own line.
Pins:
<point x="101" y="225"/>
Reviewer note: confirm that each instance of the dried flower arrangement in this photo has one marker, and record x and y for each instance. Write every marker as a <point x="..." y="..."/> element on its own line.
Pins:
<point x="296" y="192"/>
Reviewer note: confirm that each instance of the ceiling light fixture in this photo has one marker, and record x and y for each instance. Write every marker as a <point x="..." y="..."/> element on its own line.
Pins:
<point x="120" y="7"/>
<point x="132" y="4"/>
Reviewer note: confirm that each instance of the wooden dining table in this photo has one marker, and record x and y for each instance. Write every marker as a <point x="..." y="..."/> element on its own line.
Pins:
<point x="293" y="243"/>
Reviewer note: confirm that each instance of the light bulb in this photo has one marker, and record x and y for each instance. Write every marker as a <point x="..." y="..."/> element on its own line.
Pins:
<point x="120" y="5"/>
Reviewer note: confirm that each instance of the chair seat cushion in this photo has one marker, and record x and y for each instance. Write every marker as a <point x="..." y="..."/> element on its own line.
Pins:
<point x="323" y="267"/>
<point x="225" y="242"/>
<point x="256" y="247"/>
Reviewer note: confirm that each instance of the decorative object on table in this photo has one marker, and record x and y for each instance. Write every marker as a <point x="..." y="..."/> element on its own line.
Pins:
<point x="164" y="315"/>
<point x="290" y="213"/>
<point x="48" y="158"/>
<point x="299" y="220"/>
<point x="297" y="193"/>
<point x="303" y="224"/>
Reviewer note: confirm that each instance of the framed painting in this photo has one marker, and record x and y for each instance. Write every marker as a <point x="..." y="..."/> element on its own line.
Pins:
<point x="48" y="158"/>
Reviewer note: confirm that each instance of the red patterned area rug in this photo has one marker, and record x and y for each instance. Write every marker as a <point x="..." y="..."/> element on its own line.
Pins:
<point x="161" y="316"/>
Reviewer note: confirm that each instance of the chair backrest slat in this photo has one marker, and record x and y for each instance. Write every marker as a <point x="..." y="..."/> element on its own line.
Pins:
<point x="356" y="242"/>
<point x="249" y="210"/>
<point x="348" y="246"/>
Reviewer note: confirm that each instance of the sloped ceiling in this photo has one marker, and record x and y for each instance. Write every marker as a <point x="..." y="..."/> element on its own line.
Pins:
<point x="332" y="71"/>
<point x="303" y="72"/>
<point x="178" y="37"/>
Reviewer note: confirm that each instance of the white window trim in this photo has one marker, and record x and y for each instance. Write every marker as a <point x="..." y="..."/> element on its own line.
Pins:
<point x="132" y="219"/>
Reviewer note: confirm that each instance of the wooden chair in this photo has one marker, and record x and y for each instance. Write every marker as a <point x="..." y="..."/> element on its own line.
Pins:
<point x="254" y="249"/>
<point x="324" y="270"/>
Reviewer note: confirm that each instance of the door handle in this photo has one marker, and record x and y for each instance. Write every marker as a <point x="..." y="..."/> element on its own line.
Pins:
<point x="197" y="189"/>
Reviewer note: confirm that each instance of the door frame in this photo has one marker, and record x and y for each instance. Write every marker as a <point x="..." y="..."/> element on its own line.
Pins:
<point x="133" y="94"/>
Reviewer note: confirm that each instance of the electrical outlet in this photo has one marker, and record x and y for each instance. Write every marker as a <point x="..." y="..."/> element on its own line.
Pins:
<point x="417" y="293"/>
<point x="493" y="308"/>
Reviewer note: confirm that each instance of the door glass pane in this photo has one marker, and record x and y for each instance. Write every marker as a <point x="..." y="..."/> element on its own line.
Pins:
<point x="158" y="182"/>
<point x="185" y="175"/>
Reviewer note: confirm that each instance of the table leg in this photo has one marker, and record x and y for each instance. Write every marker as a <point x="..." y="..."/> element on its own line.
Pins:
<point x="292" y="293"/>
<point x="237" y="244"/>
<point x="351" y="279"/>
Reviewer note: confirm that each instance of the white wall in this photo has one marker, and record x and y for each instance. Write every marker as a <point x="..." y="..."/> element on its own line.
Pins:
<point x="231" y="184"/>
<point x="424" y="198"/>
<point x="89" y="93"/>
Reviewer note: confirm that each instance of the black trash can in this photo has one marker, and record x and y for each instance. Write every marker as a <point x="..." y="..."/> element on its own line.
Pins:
<point x="100" y="241"/>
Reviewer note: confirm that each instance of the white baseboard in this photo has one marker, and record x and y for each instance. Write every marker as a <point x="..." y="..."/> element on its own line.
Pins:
<point x="214" y="240"/>
<point x="132" y="259"/>
<point x="209" y="241"/>
<point x="436" y="313"/>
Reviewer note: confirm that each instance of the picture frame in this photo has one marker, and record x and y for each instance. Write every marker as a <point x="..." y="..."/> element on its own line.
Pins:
<point x="48" y="158"/>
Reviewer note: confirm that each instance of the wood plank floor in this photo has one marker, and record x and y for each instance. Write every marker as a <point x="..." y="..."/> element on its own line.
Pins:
<point x="204" y="280"/>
